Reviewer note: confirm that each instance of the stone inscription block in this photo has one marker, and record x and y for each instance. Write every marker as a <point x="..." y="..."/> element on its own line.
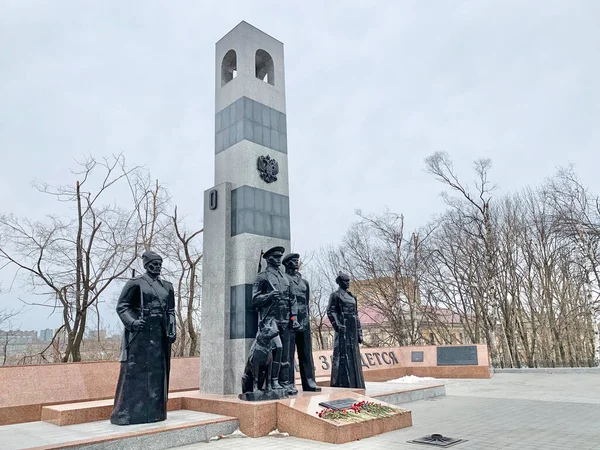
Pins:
<point x="416" y="356"/>
<point x="343" y="403"/>
<point x="260" y="212"/>
<point x="248" y="119"/>
<point x="243" y="319"/>
<point x="465" y="355"/>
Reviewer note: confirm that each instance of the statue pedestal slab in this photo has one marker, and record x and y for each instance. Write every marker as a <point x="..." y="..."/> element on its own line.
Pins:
<point x="296" y="415"/>
<point x="259" y="396"/>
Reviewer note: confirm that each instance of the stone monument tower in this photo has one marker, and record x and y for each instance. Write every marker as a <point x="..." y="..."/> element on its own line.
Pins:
<point x="248" y="208"/>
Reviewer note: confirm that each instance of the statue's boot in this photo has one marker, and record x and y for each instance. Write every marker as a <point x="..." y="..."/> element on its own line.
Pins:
<point x="312" y="389"/>
<point x="285" y="381"/>
<point x="311" y="386"/>
<point x="275" y="376"/>
<point x="275" y="384"/>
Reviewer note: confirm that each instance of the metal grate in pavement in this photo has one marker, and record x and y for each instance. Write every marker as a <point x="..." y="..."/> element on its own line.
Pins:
<point x="437" y="440"/>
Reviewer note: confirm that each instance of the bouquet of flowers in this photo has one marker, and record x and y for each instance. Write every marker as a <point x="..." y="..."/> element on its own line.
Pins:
<point x="358" y="412"/>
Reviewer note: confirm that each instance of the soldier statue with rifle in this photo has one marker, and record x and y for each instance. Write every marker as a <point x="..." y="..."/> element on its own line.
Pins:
<point x="277" y="314"/>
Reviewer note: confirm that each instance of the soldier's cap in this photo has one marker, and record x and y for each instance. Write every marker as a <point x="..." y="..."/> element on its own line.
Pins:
<point x="342" y="276"/>
<point x="149" y="256"/>
<point x="288" y="257"/>
<point x="274" y="250"/>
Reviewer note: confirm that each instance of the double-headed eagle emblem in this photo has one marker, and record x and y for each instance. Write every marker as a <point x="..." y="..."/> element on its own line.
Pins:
<point x="268" y="168"/>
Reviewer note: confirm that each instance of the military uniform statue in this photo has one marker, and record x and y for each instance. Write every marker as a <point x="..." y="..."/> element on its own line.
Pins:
<point x="146" y="307"/>
<point x="301" y="339"/>
<point x="342" y="311"/>
<point x="276" y="304"/>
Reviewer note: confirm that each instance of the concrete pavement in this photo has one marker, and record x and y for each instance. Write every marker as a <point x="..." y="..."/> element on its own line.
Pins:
<point x="510" y="411"/>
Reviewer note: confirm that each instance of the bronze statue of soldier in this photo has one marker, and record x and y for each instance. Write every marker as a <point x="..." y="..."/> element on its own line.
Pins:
<point x="272" y="296"/>
<point x="146" y="307"/>
<point x="342" y="311"/>
<point x="301" y="339"/>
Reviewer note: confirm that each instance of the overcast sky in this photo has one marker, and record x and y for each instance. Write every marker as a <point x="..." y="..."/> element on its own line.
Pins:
<point x="373" y="87"/>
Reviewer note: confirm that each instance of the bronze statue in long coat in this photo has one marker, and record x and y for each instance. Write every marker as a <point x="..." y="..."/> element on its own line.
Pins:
<point x="342" y="312"/>
<point x="146" y="307"/>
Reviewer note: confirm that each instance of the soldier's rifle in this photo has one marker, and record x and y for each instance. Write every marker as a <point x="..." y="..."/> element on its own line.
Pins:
<point x="343" y="369"/>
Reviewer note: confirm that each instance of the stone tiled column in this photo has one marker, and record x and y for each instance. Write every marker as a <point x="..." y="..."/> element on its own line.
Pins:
<point x="243" y="214"/>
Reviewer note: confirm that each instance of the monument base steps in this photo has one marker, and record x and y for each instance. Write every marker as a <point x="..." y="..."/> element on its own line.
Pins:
<point x="296" y="415"/>
<point x="84" y="412"/>
<point x="182" y="428"/>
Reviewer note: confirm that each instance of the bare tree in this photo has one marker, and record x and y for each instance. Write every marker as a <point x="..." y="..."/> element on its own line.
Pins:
<point x="521" y="274"/>
<point x="70" y="261"/>
<point x="165" y="232"/>
<point x="321" y="269"/>
<point x="452" y="279"/>
<point x="385" y="268"/>
<point x="474" y="206"/>
<point x="577" y="213"/>
<point x="189" y="258"/>
<point x="379" y="258"/>
<point x="152" y="203"/>
<point x="539" y="276"/>
<point x="6" y="315"/>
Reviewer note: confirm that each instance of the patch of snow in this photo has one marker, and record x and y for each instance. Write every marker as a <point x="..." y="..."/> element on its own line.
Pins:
<point x="278" y="433"/>
<point x="236" y="434"/>
<point x="411" y="379"/>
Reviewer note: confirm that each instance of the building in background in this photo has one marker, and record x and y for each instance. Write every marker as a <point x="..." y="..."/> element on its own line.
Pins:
<point x="17" y="341"/>
<point x="392" y="313"/>
<point x="14" y="344"/>
<point x="46" y="335"/>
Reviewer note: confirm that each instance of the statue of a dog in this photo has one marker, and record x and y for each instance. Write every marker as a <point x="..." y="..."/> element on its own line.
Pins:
<point x="257" y="373"/>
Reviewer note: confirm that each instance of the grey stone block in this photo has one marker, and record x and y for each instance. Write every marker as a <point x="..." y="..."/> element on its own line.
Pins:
<point x="463" y="355"/>
<point x="261" y="212"/>
<point x="411" y="396"/>
<point x="243" y="318"/>
<point x="248" y="119"/>
<point x="166" y="439"/>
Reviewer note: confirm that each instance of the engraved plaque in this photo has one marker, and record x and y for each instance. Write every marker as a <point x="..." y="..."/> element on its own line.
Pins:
<point x="416" y="356"/>
<point x="465" y="355"/>
<point x="343" y="403"/>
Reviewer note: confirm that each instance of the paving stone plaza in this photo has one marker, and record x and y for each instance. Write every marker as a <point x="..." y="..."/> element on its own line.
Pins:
<point x="523" y="411"/>
<point x="509" y="411"/>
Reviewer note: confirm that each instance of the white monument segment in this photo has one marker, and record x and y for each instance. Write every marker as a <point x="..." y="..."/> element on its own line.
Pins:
<point x="243" y="214"/>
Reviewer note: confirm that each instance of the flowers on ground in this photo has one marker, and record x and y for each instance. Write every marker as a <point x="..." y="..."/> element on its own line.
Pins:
<point x="359" y="411"/>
